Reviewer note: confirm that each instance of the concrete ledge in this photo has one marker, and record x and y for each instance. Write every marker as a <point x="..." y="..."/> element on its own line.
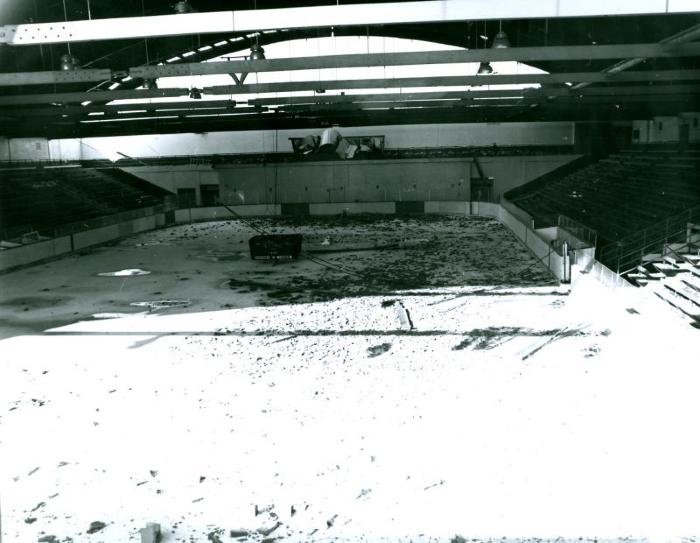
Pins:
<point x="386" y="208"/>
<point x="606" y="276"/>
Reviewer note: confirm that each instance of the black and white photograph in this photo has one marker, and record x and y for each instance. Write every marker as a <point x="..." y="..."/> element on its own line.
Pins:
<point x="338" y="271"/>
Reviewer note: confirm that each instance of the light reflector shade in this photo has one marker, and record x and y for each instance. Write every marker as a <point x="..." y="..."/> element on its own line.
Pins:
<point x="257" y="52"/>
<point x="501" y="41"/>
<point x="69" y="62"/>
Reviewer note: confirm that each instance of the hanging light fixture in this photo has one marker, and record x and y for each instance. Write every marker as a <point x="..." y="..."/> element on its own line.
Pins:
<point x="195" y="93"/>
<point x="257" y="52"/>
<point x="182" y="6"/>
<point x="150" y="84"/>
<point x="69" y="62"/>
<point x="501" y="40"/>
<point x="484" y="68"/>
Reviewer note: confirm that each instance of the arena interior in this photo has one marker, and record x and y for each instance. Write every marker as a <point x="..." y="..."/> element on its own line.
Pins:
<point x="322" y="271"/>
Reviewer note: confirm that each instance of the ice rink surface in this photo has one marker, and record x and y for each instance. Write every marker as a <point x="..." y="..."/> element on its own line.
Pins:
<point x="431" y="381"/>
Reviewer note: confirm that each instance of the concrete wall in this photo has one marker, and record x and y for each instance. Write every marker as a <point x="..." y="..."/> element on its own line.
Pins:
<point x="692" y="119"/>
<point x="352" y="181"/>
<point x="42" y="250"/>
<point x="539" y="247"/>
<point x="34" y="252"/>
<point x="447" y="208"/>
<point x="221" y="213"/>
<point x="666" y="129"/>
<point x="606" y="276"/>
<point x="512" y="171"/>
<point x="25" y="149"/>
<point x="274" y="141"/>
<point x="386" y="208"/>
<point x="4" y="149"/>
<point x="172" y="178"/>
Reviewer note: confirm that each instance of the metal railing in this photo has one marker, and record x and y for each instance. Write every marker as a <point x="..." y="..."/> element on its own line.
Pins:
<point x="579" y="230"/>
<point x="628" y="252"/>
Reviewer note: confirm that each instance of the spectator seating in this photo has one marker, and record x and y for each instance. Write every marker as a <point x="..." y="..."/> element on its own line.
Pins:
<point x="41" y="199"/>
<point x="620" y="194"/>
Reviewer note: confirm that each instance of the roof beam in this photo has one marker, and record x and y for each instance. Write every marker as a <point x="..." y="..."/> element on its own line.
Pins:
<point x="94" y="96"/>
<point x="448" y="81"/>
<point x="54" y="77"/>
<point x="407" y="82"/>
<point x="521" y="54"/>
<point x="431" y="11"/>
<point x="645" y="90"/>
<point x="387" y="97"/>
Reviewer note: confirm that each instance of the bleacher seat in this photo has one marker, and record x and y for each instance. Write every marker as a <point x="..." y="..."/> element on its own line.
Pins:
<point x="41" y="199"/>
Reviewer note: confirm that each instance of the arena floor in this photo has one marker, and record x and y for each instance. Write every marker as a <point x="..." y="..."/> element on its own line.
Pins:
<point x="427" y="380"/>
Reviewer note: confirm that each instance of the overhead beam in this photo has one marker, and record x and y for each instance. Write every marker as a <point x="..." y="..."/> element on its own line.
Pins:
<point x="520" y="54"/>
<point x="343" y="98"/>
<point x="450" y="81"/>
<point x="115" y="108"/>
<point x="622" y="95"/>
<point x="54" y="77"/>
<point x="689" y="34"/>
<point x="94" y="96"/>
<point x="645" y="90"/>
<point x="431" y="11"/>
<point x="408" y="82"/>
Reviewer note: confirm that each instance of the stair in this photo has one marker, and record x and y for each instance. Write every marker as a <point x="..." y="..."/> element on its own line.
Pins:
<point x="674" y="278"/>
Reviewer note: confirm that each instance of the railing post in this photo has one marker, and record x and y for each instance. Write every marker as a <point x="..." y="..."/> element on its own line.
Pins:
<point x="619" y="256"/>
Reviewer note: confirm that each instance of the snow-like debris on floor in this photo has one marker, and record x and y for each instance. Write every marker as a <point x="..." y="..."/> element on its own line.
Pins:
<point x="508" y="408"/>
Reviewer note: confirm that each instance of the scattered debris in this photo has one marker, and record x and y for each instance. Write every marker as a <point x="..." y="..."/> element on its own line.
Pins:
<point x="264" y="509"/>
<point x="151" y="533"/>
<point x="115" y="315"/>
<point x="364" y="492"/>
<point x="124" y="273"/>
<point x="267" y="531"/>
<point x="96" y="526"/>
<point x="376" y="350"/>
<point x="213" y="536"/>
<point x="562" y="333"/>
<point x="439" y="483"/>
<point x="161" y="304"/>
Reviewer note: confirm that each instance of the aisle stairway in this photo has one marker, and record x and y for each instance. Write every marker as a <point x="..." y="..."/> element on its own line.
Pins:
<point x="674" y="277"/>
